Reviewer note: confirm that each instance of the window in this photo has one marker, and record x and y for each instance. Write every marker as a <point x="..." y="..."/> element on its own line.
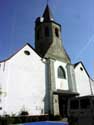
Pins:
<point x="27" y="52"/>
<point x="81" y="68"/>
<point x="38" y="34"/>
<point x="56" y="32"/>
<point x="46" y="31"/>
<point x="61" y="73"/>
<point x="0" y="108"/>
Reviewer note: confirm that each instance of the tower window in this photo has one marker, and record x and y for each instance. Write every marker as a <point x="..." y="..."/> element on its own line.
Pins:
<point x="46" y="31"/>
<point x="61" y="73"/>
<point x="56" y="32"/>
<point x="38" y="34"/>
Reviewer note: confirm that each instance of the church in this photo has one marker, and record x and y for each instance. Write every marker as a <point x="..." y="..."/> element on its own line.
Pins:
<point x="40" y="80"/>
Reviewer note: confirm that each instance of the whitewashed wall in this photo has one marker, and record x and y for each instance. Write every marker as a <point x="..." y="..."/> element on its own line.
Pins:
<point x="92" y="86"/>
<point x="24" y="80"/>
<point x="3" y="85"/>
<point x="60" y="83"/>
<point x="82" y="80"/>
<point x="71" y="78"/>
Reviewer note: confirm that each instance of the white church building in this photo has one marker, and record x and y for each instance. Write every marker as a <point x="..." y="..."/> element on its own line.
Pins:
<point x="41" y="80"/>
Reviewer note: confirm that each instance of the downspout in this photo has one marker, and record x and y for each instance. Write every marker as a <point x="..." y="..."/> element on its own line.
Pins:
<point x="90" y="87"/>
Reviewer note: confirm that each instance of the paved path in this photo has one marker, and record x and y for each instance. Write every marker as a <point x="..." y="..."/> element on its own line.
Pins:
<point x="45" y="123"/>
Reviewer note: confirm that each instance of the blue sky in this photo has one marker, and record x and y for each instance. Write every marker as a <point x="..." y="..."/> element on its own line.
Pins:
<point x="76" y="17"/>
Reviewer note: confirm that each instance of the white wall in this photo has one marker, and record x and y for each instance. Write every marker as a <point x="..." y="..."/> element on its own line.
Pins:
<point x="24" y="81"/>
<point x="3" y="84"/>
<point x="82" y="81"/>
<point x="71" y="78"/>
<point x="60" y="83"/>
<point x="92" y="86"/>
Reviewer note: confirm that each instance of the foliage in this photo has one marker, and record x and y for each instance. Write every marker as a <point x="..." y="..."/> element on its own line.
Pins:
<point x="6" y="120"/>
<point x="24" y="113"/>
<point x="55" y="118"/>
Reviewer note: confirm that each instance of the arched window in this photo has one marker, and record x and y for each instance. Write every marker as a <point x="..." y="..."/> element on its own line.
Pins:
<point x="61" y="73"/>
<point x="46" y="31"/>
<point x="56" y="32"/>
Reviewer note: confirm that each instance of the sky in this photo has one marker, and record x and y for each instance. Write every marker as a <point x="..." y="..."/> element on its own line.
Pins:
<point x="17" y="24"/>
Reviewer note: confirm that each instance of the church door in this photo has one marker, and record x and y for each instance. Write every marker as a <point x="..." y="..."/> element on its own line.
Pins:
<point x="63" y="106"/>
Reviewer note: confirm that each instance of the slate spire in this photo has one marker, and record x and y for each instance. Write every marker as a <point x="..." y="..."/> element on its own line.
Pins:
<point x="48" y="41"/>
<point x="47" y="14"/>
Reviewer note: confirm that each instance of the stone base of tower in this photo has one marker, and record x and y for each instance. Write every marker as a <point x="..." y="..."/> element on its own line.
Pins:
<point x="59" y="104"/>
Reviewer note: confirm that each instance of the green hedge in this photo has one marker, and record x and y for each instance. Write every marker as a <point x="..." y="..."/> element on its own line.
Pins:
<point x="6" y="120"/>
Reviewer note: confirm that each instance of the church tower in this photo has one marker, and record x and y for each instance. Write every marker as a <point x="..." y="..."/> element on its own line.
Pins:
<point x="48" y="41"/>
<point x="60" y="81"/>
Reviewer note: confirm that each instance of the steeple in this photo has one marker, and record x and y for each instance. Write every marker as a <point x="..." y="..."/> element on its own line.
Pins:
<point x="47" y="15"/>
<point x="48" y="41"/>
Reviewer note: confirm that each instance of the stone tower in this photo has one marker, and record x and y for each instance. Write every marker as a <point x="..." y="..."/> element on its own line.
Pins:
<point x="49" y="45"/>
<point x="48" y="42"/>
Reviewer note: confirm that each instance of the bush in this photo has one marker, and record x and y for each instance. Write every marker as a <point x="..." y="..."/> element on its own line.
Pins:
<point x="55" y="118"/>
<point x="7" y="120"/>
<point x="24" y="113"/>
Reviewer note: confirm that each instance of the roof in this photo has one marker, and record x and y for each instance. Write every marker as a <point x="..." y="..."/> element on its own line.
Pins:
<point x="46" y="17"/>
<point x="47" y="14"/>
<point x="76" y="64"/>
<point x="57" y="53"/>
<point x="18" y="51"/>
<point x="85" y="97"/>
<point x="80" y="62"/>
<point x="66" y="93"/>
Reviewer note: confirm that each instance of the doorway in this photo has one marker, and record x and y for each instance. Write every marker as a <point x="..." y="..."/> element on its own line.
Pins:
<point x="63" y="102"/>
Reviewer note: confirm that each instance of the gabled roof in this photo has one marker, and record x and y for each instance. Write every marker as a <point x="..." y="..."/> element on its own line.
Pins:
<point x="18" y="51"/>
<point x="76" y="64"/>
<point x="80" y="62"/>
<point x="54" y="53"/>
<point x="47" y="14"/>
